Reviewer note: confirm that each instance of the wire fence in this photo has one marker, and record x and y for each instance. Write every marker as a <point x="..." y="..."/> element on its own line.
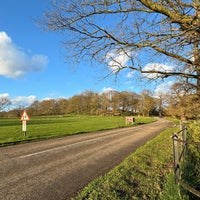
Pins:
<point x="180" y="143"/>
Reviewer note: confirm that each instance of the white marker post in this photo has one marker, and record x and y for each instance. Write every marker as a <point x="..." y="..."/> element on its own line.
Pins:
<point x="24" y="118"/>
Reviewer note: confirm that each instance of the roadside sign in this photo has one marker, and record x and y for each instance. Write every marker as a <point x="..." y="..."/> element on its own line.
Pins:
<point x="24" y="126"/>
<point x="130" y="120"/>
<point x="25" y="116"/>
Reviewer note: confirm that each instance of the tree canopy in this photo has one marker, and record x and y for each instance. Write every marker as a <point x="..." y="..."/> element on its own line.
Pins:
<point x="179" y="102"/>
<point x="141" y="35"/>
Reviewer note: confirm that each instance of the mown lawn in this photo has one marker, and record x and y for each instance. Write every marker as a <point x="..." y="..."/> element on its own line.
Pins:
<point x="57" y="126"/>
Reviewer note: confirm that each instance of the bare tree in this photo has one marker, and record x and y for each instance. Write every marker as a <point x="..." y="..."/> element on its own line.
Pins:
<point x="119" y="33"/>
<point x="4" y="101"/>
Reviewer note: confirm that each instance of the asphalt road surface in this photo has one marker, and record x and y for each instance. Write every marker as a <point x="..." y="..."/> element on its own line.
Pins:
<point x="58" y="168"/>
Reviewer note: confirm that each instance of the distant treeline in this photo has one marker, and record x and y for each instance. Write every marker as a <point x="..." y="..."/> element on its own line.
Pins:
<point x="178" y="102"/>
<point x="92" y="103"/>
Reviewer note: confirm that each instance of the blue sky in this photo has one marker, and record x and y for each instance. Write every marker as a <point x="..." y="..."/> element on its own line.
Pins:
<point x="32" y="62"/>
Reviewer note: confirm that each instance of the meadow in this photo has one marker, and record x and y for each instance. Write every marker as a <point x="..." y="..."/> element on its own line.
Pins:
<point x="39" y="128"/>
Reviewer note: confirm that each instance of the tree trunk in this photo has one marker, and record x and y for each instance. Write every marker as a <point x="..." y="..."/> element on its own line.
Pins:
<point x="198" y="82"/>
<point x="197" y="66"/>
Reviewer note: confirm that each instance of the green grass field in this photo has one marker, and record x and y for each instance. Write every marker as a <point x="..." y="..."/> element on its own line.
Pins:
<point x="57" y="126"/>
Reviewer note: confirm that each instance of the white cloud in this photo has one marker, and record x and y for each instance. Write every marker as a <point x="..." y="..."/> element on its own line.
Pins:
<point x="23" y="101"/>
<point x="4" y="95"/>
<point x="20" y="101"/>
<point x="163" y="88"/>
<point x="107" y="89"/>
<point x="131" y="74"/>
<point x="47" y="99"/>
<point x="156" y="67"/>
<point x="118" y="59"/>
<point x="15" y="63"/>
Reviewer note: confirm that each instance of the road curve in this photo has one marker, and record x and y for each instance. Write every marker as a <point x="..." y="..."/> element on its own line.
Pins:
<point x="57" y="169"/>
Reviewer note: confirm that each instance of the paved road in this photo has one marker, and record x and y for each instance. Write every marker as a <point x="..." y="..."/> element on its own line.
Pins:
<point x="59" y="168"/>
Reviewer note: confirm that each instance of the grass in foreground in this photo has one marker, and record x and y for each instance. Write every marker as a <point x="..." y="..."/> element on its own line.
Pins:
<point x="146" y="174"/>
<point x="57" y="126"/>
<point x="172" y="191"/>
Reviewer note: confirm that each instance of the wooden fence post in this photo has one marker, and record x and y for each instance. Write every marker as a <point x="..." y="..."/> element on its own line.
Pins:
<point x="176" y="158"/>
<point x="178" y="154"/>
<point x="181" y="125"/>
<point x="184" y="138"/>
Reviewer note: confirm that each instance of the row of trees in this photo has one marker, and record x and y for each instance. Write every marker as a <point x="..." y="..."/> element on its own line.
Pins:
<point x="92" y="103"/>
<point x="180" y="101"/>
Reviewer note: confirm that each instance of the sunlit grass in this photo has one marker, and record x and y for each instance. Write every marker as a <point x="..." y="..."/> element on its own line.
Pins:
<point x="57" y="126"/>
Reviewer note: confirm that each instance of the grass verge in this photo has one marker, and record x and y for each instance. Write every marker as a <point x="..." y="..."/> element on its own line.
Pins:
<point x="143" y="175"/>
<point x="190" y="169"/>
<point x="171" y="191"/>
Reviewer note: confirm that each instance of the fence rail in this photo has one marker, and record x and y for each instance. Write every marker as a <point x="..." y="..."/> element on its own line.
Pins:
<point x="180" y="143"/>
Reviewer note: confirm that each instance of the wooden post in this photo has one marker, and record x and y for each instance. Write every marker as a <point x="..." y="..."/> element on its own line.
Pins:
<point x="184" y="138"/>
<point x="176" y="158"/>
<point x="181" y="125"/>
<point x="24" y="127"/>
